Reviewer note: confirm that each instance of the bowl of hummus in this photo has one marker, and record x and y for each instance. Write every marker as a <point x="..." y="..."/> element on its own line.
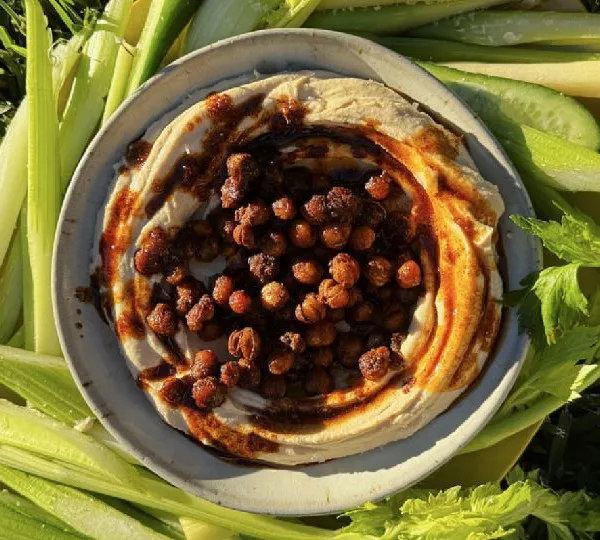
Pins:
<point x="279" y="273"/>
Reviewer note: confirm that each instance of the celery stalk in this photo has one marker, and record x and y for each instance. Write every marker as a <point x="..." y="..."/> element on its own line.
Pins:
<point x="351" y="4"/>
<point x="437" y="50"/>
<point x="43" y="176"/>
<point x="118" y="84"/>
<point x="22" y="507"/>
<point x="90" y="87"/>
<point x="31" y="430"/>
<point x="83" y="512"/>
<point x="13" y="176"/>
<point x="18" y="339"/>
<point x="11" y="289"/>
<point x="45" y="382"/>
<point x="392" y="19"/>
<point x="165" y="22"/>
<point x="504" y="27"/>
<point x="199" y="530"/>
<point x="155" y="493"/>
<point x="28" y="341"/>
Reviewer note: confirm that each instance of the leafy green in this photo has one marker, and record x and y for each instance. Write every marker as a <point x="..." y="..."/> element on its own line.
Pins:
<point x="575" y="239"/>
<point x="478" y="513"/>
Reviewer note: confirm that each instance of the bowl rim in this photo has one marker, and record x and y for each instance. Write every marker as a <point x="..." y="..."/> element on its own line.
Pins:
<point x="125" y="430"/>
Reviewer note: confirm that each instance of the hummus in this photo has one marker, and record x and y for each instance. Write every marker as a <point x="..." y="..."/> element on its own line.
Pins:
<point x="321" y="122"/>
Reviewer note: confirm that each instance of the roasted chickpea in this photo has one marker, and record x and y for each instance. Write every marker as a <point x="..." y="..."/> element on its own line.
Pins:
<point x="355" y="296"/>
<point x="302" y="235"/>
<point x="249" y="375"/>
<point x="173" y="391"/>
<point x="344" y="269"/>
<point x="373" y="214"/>
<point x="187" y="293"/>
<point x="230" y="373"/>
<point x="293" y="341"/>
<point x="379" y="187"/>
<point x="208" y="393"/>
<point x="363" y="312"/>
<point x="376" y="339"/>
<point x="242" y="166"/>
<point x="362" y="238"/>
<point x="321" y="334"/>
<point x="284" y="208"/>
<point x="274" y="296"/>
<point x="222" y="289"/>
<point x="281" y="361"/>
<point x="253" y="214"/>
<point x="318" y="381"/>
<point x="311" y="309"/>
<point x="201" y="312"/>
<point x="348" y="348"/>
<point x="204" y="365"/>
<point x="273" y="387"/>
<point x="315" y="210"/>
<point x="263" y="267"/>
<point x="343" y="205"/>
<point x="336" y="315"/>
<point x="227" y="229"/>
<point x="409" y="275"/>
<point x="176" y="274"/>
<point x="333" y="294"/>
<point x="154" y="256"/>
<point x="162" y="320"/>
<point x="322" y="357"/>
<point x="307" y="272"/>
<point x="374" y="364"/>
<point x="240" y="302"/>
<point x="233" y="192"/>
<point x="243" y="235"/>
<point x="379" y="271"/>
<point x="335" y="236"/>
<point x="395" y="320"/>
<point x="244" y="343"/>
<point x="273" y="243"/>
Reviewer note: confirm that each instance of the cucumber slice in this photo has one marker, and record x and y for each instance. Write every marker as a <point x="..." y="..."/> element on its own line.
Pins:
<point x="495" y="98"/>
<point x="551" y="160"/>
<point x="507" y="27"/>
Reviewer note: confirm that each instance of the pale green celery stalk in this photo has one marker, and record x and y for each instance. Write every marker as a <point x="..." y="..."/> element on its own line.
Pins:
<point x="118" y="84"/>
<point x="31" y="430"/>
<point x="157" y="494"/>
<point x="171" y="521"/>
<point x="83" y="512"/>
<point x="43" y="176"/>
<point x="13" y="176"/>
<point x="438" y="50"/>
<point x="91" y="84"/>
<point x="220" y="19"/>
<point x="17" y="526"/>
<point x="11" y="289"/>
<point x="45" y="382"/>
<point x="166" y="19"/>
<point x="24" y="508"/>
<point x="351" y="4"/>
<point x="516" y="421"/>
<point x="28" y="341"/>
<point x="393" y="19"/>
<point x="199" y="530"/>
<point x="507" y="27"/>
<point x="18" y="339"/>
<point x="551" y="160"/>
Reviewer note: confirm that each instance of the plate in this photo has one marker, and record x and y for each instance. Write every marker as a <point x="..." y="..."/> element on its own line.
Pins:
<point x="91" y="348"/>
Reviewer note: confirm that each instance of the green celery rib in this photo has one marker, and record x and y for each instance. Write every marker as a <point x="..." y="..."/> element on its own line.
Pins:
<point x="30" y="430"/>
<point x="118" y="84"/>
<point x="496" y="98"/>
<point x="18" y="526"/>
<point x="200" y="530"/>
<point x="345" y="4"/>
<point x="90" y="87"/>
<point x="13" y="176"/>
<point x="393" y="19"/>
<point x="11" y="289"/>
<point x="45" y="382"/>
<point x="166" y="19"/>
<point x="86" y="514"/>
<point x="43" y="176"/>
<point x="220" y="19"/>
<point x="18" y="339"/>
<point x="24" y="508"/>
<point x="155" y="493"/>
<point x="504" y="27"/>
<point x="290" y="14"/>
<point x="437" y="50"/>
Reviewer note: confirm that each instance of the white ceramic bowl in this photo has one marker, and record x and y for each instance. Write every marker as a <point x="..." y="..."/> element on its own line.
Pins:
<point x="92" y="351"/>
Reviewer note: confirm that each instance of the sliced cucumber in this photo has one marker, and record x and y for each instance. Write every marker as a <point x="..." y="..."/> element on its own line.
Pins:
<point x="551" y="160"/>
<point x="507" y="27"/>
<point x="495" y="98"/>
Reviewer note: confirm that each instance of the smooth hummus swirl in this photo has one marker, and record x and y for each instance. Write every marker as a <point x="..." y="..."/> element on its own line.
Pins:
<point x="453" y="212"/>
